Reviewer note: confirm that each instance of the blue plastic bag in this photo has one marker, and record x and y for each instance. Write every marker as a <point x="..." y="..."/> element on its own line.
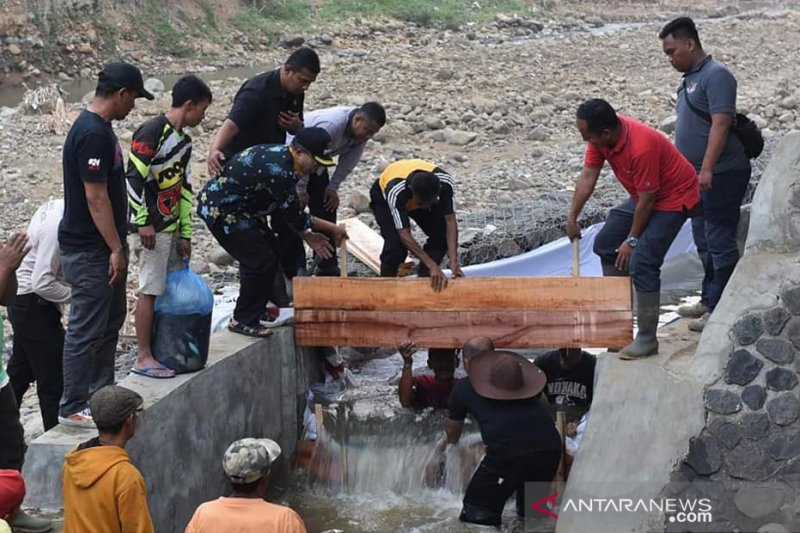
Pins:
<point x="186" y="294"/>
<point x="182" y="322"/>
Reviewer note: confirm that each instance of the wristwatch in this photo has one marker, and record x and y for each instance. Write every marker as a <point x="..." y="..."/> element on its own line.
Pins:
<point x="632" y="242"/>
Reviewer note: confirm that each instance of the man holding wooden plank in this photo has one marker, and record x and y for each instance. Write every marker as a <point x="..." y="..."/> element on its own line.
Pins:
<point x="663" y="192"/>
<point x="418" y="190"/>
<point x="350" y="128"/>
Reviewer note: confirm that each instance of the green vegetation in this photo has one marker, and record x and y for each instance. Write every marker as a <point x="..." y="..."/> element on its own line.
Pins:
<point x="271" y="18"/>
<point x="447" y="13"/>
<point x="168" y="39"/>
<point x="48" y="26"/>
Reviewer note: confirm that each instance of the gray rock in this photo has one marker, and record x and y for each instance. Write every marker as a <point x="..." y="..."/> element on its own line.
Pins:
<point x="758" y="501"/>
<point x="444" y="75"/>
<point x="508" y="248"/>
<point x="290" y="41"/>
<point x="154" y="85"/>
<point x="326" y="39"/>
<point x="668" y="124"/>
<point x="748" y="461"/>
<point x="219" y="257"/>
<point x="755" y="425"/>
<point x="774" y="319"/>
<point x="358" y="202"/>
<point x="434" y="123"/>
<point x="747" y="329"/>
<point x="776" y="350"/>
<point x="783" y="409"/>
<point x="784" y="445"/>
<point x="459" y="138"/>
<point x="723" y="402"/>
<point x="728" y="433"/>
<point x="704" y="456"/>
<point x="793" y="332"/>
<point x="518" y="184"/>
<point x="790" y="102"/>
<point x="754" y="396"/>
<point x="791" y="299"/>
<point x="742" y="368"/>
<point x="781" y="379"/>
<point x="772" y="528"/>
<point x="790" y="474"/>
<point x="538" y="134"/>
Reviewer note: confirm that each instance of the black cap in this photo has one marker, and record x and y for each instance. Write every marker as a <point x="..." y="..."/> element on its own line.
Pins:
<point x="112" y="404"/>
<point x="122" y="75"/>
<point x="315" y="141"/>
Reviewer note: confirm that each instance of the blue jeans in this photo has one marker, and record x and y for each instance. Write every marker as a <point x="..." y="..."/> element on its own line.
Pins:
<point x="654" y="242"/>
<point x="97" y="313"/>
<point x="715" y="231"/>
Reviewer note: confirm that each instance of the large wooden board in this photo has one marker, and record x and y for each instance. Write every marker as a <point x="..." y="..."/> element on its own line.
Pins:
<point x="450" y="329"/>
<point x="463" y="294"/>
<point x="527" y="312"/>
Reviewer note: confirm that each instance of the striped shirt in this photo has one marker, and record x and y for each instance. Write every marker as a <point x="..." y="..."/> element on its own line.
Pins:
<point x="158" y="176"/>
<point x="399" y="197"/>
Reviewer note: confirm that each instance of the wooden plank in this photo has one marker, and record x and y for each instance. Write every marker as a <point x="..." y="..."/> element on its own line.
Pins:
<point x="464" y="294"/>
<point x="450" y="329"/>
<point x="363" y="243"/>
<point x="366" y="246"/>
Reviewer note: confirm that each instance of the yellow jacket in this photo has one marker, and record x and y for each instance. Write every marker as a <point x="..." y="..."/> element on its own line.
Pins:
<point x="103" y="492"/>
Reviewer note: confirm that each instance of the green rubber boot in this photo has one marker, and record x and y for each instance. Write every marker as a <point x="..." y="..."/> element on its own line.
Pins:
<point x="646" y="342"/>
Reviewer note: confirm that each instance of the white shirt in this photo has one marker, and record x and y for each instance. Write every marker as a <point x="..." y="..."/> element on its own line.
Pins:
<point x="40" y="271"/>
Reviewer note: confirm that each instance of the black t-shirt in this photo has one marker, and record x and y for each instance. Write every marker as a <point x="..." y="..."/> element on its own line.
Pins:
<point x="568" y="387"/>
<point x="509" y="428"/>
<point x="255" y="111"/>
<point x="91" y="154"/>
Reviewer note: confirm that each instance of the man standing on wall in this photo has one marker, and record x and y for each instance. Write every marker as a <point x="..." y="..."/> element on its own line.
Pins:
<point x="92" y="240"/>
<point x="637" y="234"/>
<point x="706" y="110"/>
<point x="160" y="196"/>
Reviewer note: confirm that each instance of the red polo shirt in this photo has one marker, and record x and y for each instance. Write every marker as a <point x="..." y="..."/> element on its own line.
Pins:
<point x="644" y="160"/>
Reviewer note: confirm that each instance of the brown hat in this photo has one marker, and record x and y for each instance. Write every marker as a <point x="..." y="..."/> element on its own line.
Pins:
<point x="502" y="375"/>
<point x="112" y="404"/>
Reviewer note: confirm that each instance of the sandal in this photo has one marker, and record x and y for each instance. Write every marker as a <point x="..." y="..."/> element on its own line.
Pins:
<point x="251" y="331"/>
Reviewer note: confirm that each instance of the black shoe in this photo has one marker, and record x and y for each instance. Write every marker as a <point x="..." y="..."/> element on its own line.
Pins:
<point x="327" y="270"/>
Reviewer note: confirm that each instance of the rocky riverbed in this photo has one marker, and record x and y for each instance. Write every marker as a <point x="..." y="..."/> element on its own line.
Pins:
<point x="494" y="105"/>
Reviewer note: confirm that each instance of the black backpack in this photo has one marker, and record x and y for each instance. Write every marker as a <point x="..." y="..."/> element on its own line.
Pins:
<point x="749" y="134"/>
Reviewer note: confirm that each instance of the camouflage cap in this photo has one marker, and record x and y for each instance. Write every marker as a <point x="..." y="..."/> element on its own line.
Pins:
<point x="248" y="459"/>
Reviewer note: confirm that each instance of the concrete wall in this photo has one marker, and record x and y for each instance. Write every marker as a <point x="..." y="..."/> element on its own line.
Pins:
<point x="250" y="388"/>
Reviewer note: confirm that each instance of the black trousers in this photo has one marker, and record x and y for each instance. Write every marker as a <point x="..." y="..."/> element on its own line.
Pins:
<point x="258" y="265"/>
<point x="317" y="185"/>
<point x="12" y="436"/>
<point x="497" y="478"/>
<point x="394" y="253"/>
<point x="38" y="353"/>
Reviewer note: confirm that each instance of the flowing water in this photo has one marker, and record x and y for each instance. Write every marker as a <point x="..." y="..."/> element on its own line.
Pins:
<point x="371" y="472"/>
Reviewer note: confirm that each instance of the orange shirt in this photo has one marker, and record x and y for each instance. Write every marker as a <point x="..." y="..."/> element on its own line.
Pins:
<point x="244" y="515"/>
<point x="644" y="160"/>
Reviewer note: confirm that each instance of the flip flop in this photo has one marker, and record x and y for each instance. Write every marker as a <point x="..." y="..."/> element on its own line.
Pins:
<point x="151" y="372"/>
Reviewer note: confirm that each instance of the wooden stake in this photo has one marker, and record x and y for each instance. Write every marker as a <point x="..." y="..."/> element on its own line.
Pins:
<point x="576" y="257"/>
<point x="343" y="256"/>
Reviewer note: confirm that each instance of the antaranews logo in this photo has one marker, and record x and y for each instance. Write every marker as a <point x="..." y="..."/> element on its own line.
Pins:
<point x="675" y="510"/>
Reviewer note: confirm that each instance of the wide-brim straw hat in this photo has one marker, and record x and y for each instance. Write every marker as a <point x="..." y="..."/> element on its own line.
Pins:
<point x="503" y="375"/>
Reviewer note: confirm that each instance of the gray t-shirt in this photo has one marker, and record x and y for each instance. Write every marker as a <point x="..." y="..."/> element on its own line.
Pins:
<point x="711" y="88"/>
